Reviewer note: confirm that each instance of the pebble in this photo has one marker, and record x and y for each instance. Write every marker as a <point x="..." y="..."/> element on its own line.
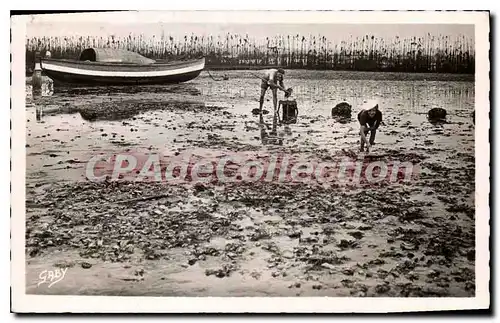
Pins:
<point x="131" y="278"/>
<point x="139" y="272"/>
<point x="345" y="243"/>
<point x="357" y="234"/>
<point x="232" y="255"/>
<point x="412" y="276"/>
<point x="348" y="272"/>
<point x="382" y="288"/>
<point x="470" y="286"/>
<point x="471" y="255"/>
<point x="327" y="265"/>
<point x="408" y="246"/>
<point x="294" y="234"/>
<point x="86" y="265"/>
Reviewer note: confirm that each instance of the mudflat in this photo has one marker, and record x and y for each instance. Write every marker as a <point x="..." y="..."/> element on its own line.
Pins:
<point x="260" y="238"/>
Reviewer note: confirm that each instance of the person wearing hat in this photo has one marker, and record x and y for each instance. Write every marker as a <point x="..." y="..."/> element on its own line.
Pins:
<point x="272" y="78"/>
<point x="369" y="119"/>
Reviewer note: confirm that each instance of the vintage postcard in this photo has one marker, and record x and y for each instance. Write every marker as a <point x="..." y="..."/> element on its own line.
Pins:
<point x="197" y="161"/>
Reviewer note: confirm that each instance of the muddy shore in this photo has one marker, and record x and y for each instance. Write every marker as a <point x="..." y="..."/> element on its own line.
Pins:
<point x="414" y="238"/>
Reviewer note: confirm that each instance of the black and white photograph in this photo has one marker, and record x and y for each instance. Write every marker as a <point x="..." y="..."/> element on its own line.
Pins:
<point x="338" y="159"/>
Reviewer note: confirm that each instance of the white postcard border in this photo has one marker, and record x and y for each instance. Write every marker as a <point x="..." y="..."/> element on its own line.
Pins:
<point x="38" y="303"/>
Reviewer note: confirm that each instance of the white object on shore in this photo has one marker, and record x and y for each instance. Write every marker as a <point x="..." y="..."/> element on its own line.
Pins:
<point x="47" y="86"/>
<point x="369" y="104"/>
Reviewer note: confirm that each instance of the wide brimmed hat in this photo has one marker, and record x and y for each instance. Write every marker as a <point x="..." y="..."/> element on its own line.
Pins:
<point x="369" y="105"/>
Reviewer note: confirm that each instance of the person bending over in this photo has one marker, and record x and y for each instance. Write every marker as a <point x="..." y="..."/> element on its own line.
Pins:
<point x="369" y="119"/>
<point x="273" y="79"/>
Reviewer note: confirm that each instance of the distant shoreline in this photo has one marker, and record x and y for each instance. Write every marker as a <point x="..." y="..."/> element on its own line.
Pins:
<point x="363" y="75"/>
<point x="259" y="67"/>
<point x="340" y="75"/>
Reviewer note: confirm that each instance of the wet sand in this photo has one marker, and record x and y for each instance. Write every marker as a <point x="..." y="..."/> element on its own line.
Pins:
<point x="412" y="238"/>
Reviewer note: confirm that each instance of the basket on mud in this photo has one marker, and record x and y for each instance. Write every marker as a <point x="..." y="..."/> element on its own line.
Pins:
<point x="289" y="111"/>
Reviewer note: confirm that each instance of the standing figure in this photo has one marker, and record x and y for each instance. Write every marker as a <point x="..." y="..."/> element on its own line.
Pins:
<point x="272" y="78"/>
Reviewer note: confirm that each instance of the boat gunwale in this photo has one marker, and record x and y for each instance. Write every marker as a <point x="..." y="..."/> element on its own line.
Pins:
<point x="101" y="80"/>
<point x="122" y="64"/>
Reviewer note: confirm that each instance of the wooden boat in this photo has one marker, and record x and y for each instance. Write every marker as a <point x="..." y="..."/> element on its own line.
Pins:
<point x="105" y="66"/>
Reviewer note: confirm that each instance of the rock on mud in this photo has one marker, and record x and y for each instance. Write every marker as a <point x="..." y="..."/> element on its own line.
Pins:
<point x="342" y="109"/>
<point x="436" y="114"/>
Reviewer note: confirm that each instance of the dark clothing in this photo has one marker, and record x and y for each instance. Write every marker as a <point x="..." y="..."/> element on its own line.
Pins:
<point x="364" y="119"/>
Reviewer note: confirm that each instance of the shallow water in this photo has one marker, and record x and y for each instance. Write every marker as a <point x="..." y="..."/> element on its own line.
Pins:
<point x="177" y="118"/>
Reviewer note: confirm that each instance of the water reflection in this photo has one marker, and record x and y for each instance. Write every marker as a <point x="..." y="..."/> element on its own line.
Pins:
<point x="72" y="99"/>
<point x="283" y="118"/>
<point x="44" y="110"/>
<point x="411" y="97"/>
<point x="342" y="119"/>
<point x="184" y="89"/>
<point x="116" y="111"/>
<point x="438" y="123"/>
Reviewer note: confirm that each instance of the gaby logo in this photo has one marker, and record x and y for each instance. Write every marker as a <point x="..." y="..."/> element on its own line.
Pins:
<point x="51" y="277"/>
<point x="221" y="167"/>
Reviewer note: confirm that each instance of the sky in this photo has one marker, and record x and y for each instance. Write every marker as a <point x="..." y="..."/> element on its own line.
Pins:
<point x="111" y="24"/>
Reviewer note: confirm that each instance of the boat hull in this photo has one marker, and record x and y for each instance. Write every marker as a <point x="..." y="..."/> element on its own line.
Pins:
<point x="92" y="73"/>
